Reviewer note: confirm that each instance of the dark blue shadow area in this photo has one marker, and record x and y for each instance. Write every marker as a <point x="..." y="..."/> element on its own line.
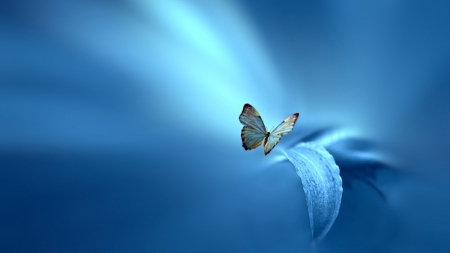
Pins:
<point x="62" y="202"/>
<point x="351" y="157"/>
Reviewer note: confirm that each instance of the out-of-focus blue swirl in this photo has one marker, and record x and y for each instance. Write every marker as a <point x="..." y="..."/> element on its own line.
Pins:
<point x="119" y="125"/>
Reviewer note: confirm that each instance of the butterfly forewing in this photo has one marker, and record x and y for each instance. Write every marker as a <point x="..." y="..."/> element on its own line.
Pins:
<point x="283" y="128"/>
<point x="250" y="117"/>
<point x="286" y="126"/>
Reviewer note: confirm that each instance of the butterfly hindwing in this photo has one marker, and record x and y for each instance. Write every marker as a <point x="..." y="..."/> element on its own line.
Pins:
<point x="270" y="142"/>
<point x="250" y="117"/>
<point x="283" y="128"/>
<point x="251" y="138"/>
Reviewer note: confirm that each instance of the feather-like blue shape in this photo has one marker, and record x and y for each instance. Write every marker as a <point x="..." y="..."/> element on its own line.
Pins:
<point x="322" y="184"/>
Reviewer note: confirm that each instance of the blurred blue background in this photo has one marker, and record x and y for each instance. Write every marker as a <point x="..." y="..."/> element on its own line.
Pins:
<point x="119" y="125"/>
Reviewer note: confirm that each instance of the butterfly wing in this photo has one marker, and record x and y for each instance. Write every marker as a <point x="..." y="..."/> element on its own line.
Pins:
<point x="286" y="126"/>
<point x="270" y="142"/>
<point x="250" y="117"/>
<point x="283" y="128"/>
<point x="254" y="131"/>
<point x="251" y="138"/>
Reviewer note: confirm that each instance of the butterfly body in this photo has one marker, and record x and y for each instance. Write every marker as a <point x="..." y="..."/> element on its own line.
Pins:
<point x="254" y="131"/>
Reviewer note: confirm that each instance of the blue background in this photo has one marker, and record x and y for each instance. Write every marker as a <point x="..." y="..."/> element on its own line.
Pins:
<point x="119" y="125"/>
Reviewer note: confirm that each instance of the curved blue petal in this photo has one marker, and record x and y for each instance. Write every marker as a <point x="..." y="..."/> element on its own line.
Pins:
<point x="321" y="182"/>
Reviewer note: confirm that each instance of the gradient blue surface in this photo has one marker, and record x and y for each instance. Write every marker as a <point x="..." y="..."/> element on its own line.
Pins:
<point x="119" y="127"/>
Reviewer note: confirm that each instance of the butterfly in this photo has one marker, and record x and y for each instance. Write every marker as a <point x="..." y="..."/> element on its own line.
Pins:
<point x="254" y="131"/>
